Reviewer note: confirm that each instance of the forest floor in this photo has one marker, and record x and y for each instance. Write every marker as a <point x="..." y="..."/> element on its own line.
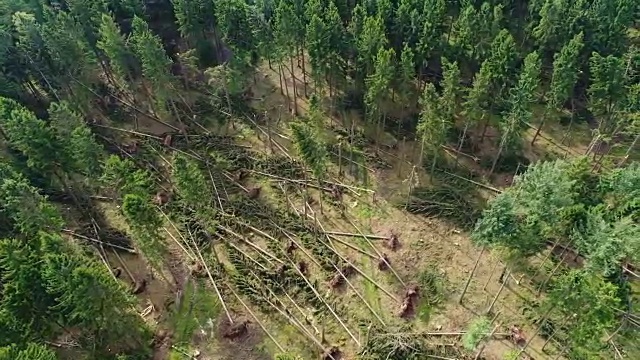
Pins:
<point x="431" y="248"/>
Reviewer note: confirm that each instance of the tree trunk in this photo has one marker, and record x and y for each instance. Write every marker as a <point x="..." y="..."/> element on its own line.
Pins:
<point x="304" y="73"/>
<point x="280" y="78"/>
<point x="295" y="88"/>
<point x="461" y="144"/>
<point x="498" y="155"/>
<point x="484" y="127"/>
<point x="542" y="322"/>
<point x="286" y="88"/>
<point x="544" y="117"/>
<point x="340" y="159"/>
<point x="495" y="299"/>
<point x="433" y="163"/>
<point x="466" y="285"/>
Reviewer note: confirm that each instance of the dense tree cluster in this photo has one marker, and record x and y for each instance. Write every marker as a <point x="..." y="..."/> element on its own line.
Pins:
<point x="563" y="203"/>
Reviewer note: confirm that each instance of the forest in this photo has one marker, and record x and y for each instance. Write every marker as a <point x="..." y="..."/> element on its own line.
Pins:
<point x="320" y="179"/>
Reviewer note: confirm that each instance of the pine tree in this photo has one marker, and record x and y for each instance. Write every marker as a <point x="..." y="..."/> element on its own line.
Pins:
<point x="125" y="177"/>
<point x="521" y="101"/>
<point x="113" y="44"/>
<point x="78" y="142"/>
<point x="452" y="90"/>
<point x="155" y="63"/>
<point x="88" y="297"/>
<point x="378" y="88"/>
<point x="565" y="75"/>
<point x="607" y="93"/>
<point x="406" y="76"/>
<point x="145" y="222"/>
<point x="317" y="39"/>
<point x="408" y="19"/>
<point x="433" y="125"/>
<point x="32" y="137"/>
<point x="31" y="352"/>
<point x="286" y="29"/>
<point x="432" y="30"/>
<point x="597" y="301"/>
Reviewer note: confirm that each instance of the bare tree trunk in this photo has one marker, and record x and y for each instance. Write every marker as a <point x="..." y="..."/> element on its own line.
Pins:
<point x="304" y="73"/>
<point x="473" y="271"/>
<point x="286" y="88"/>
<point x="280" y="78"/>
<point x="495" y="299"/>
<point x="295" y="88"/>
<point x="498" y="155"/>
<point x="461" y="143"/>
<point x="544" y="117"/>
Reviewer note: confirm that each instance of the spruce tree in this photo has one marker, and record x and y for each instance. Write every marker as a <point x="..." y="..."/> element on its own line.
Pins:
<point x="521" y="100"/>
<point x="565" y="75"/>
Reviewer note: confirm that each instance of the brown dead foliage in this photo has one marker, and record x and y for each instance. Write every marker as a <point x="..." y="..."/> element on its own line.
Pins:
<point x="237" y="330"/>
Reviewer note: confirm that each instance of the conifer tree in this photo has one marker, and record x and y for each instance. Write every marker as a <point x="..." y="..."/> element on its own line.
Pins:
<point x="433" y="124"/>
<point x="286" y="29"/>
<point x="145" y="222"/>
<point x="452" y="90"/>
<point x="155" y="63"/>
<point x="31" y="352"/>
<point x="406" y="76"/>
<point x="78" y="142"/>
<point x="565" y="74"/>
<point x="607" y="93"/>
<point x="408" y="19"/>
<point x="32" y="137"/>
<point x="113" y="44"/>
<point x="378" y="88"/>
<point x="521" y="100"/>
<point x="432" y="30"/>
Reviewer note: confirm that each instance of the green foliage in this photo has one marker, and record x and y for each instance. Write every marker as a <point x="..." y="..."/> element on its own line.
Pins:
<point x="607" y="90"/>
<point x="31" y="352"/>
<point x="378" y="84"/>
<point x="145" y="222"/>
<point x="31" y="136"/>
<point x="26" y="207"/>
<point x="126" y="177"/>
<point x="477" y="331"/>
<point x="433" y="125"/>
<point x="155" y="63"/>
<point x="83" y="152"/>
<point x="310" y="147"/>
<point x="113" y="44"/>
<point x="596" y="300"/>
<point x="565" y="72"/>
<point x="452" y="90"/>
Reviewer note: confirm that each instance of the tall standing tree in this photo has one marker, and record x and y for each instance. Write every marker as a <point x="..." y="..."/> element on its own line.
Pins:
<point x="565" y="75"/>
<point x="378" y="88"/>
<point x="433" y="28"/>
<point x="451" y="89"/>
<point x="155" y="62"/>
<point x="145" y="222"/>
<point x="433" y="124"/>
<point x="81" y="147"/>
<point x="607" y="95"/>
<point x="286" y="30"/>
<point x="406" y="75"/>
<point x="521" y="100"/>
<point x="113" y="44"/>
